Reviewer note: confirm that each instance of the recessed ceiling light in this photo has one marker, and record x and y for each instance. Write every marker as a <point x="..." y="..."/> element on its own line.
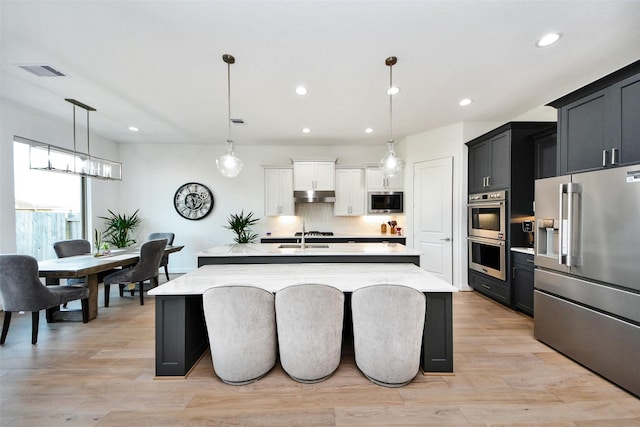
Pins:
<point x="393" y="90"/>
<point x="306" y="130"/>
<point x="548" y="39"/>
<point x="133" y="129"/>
<point x="301" y="90"/>
<point x="368" y="130"/>
<point x="465" y="102"/>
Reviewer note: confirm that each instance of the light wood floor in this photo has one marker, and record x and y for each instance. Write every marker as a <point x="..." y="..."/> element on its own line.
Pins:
<point x="102" y="374"/>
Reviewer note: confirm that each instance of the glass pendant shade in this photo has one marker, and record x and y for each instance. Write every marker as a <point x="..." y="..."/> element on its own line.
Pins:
<point x="228" y="164"/>
<point x="391" y="164"/>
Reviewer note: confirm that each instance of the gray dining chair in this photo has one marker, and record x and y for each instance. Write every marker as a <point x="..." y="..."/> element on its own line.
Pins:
<point x="22" y="290"/>
<point x="241" y="325"/>
<point x="309" y="318"/>
<point x="165" y="258"/>
<point x="67" y="248"/>
<point x="146" y="269"/>
<point x="388" y="322"/>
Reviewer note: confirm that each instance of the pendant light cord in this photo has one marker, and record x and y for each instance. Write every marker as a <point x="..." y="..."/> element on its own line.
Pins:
<point x="229" y="99"/>
<point x="390" y="103"/>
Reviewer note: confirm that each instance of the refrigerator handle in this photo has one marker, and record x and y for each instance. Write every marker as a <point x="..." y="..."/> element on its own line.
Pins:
<point x="569" y="231"/>
<point x="561" y="228"/>
<point x="573" y="188"/>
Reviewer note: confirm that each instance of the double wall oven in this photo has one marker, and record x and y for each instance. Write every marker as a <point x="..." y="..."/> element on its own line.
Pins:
<point x="487" y="214"/>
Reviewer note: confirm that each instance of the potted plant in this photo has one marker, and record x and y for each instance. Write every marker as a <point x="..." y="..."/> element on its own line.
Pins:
<point x="120" y="228"/>
<point x="241" y="225"/>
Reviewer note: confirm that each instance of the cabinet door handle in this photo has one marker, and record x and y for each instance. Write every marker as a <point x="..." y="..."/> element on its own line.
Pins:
<point x="604" y="158"/>
<point x="513" y="272"/>
<point x="529" y="260"/>
<point x="488" y="181"/>
<point x="614" y="157"/>
<point x="486" y="287"/>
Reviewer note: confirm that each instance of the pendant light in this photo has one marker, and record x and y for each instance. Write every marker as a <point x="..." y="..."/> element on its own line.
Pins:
<point x="391" y="164"/>
<point x="48" y="157"/>
<point x="228" y="164"/>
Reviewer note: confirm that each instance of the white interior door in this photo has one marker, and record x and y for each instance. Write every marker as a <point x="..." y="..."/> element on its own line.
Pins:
<point x="432" y="213"/>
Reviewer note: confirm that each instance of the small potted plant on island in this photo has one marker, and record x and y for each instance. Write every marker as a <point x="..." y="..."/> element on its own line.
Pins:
<point x="241" y="225"/>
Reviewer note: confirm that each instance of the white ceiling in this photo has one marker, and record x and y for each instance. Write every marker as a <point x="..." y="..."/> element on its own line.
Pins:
<point x="158" y="65"/>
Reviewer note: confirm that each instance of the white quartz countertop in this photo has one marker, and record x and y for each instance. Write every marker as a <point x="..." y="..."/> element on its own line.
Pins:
<point x="331" y="249"/>
<point x="523" y="250"/>
<point x="335" y="236"/>
<point x="347" y="277"/>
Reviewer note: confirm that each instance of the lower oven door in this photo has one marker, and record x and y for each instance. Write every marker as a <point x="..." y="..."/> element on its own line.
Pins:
<point x="488" y="256"/>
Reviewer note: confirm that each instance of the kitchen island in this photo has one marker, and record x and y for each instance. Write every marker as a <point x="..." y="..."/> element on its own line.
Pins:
<point x="278" y="253"/>
<point x="181" y="336"/>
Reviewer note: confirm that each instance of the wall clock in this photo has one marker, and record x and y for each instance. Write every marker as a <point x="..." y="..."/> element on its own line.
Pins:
<point x="193" y="201"/>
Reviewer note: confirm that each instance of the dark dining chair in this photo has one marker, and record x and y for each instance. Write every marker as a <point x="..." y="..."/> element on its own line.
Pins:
<point x="67" y="248"/>
<point x="165" y="258"/>
<point x="146" y="269"/>
<point x="22" y="290"/>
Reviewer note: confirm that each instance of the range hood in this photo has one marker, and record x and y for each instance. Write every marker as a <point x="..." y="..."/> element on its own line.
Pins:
<point x="312" y="196"/>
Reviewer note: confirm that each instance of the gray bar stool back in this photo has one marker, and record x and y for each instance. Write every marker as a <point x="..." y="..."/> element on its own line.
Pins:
<point x="241" y="324"/>
<point x="388" y="322"/>
<point x="309" y="319"/>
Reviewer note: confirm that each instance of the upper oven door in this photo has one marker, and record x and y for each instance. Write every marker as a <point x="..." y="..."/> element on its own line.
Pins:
<point x="488" y="219"/>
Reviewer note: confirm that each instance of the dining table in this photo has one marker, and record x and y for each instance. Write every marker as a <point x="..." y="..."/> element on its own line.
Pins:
<point x="89" y="267"/>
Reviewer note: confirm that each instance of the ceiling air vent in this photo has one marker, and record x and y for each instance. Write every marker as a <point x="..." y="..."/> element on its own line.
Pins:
<point x="237" y="121"/>
<point x="42" y="70"/>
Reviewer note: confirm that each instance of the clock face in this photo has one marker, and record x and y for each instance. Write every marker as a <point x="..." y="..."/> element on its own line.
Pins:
<point x="193" y="201"/>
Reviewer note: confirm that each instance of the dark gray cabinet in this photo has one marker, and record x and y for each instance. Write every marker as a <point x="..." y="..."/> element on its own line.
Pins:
<point x="498" y="290"/>
<point x="504" y="159"/>
<point x="522" y="282"/>
<point x="599" y="125"/>
<point x="488" y="164"/>
<point x="546" y="153"/>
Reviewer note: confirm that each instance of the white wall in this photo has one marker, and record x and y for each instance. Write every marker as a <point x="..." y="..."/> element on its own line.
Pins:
<point x="437" y="144"/>
<point x="16" y="120"/>
<point x="152" y="174"/>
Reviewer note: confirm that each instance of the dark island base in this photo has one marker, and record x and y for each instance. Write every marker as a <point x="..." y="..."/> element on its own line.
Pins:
<point x="181" y="333"/>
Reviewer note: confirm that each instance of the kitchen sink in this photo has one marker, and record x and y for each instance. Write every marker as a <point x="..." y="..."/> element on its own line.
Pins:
<point x="300" y="246"/>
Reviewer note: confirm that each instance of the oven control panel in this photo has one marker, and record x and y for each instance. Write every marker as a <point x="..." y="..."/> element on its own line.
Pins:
<point x="492" y="197"/>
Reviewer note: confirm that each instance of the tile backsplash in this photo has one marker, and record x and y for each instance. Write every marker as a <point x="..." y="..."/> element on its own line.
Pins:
<point x="320" y="217"/>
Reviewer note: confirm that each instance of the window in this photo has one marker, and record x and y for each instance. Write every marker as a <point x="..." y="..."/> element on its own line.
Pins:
<point x="49" y="206"/>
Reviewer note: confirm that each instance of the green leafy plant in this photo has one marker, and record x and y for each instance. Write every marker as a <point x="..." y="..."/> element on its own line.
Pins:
<point x="120" y="228"/>
<point x="241" y="225"/>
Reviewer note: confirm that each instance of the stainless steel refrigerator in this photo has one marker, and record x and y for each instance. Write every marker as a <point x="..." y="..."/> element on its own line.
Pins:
<point x="587" y="276"/>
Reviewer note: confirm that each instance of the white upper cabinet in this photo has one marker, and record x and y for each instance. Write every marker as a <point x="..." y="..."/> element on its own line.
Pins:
<point x="319" y="176"/>
<point x="376" y="181"/>
<point x="350" y="192"/>
<point x="278" y="191"/>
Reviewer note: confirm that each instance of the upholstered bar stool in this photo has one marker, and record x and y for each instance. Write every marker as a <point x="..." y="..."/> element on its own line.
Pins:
<point x="309" y="318"/>
<point x="388" y="321"/>
<point x="241" y="324"/>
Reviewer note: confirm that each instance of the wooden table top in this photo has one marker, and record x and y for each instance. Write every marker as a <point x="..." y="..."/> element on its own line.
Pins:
<point x="84" y="265"/>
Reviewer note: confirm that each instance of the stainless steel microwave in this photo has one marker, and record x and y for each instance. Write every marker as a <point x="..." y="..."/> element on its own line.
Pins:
<point x="381" y="202"/>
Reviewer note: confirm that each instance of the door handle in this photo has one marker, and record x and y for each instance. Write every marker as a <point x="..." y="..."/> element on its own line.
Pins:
<point x="446" y="239"/>
<point x="604" y="158"/>
<point x="614" y="157"/>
